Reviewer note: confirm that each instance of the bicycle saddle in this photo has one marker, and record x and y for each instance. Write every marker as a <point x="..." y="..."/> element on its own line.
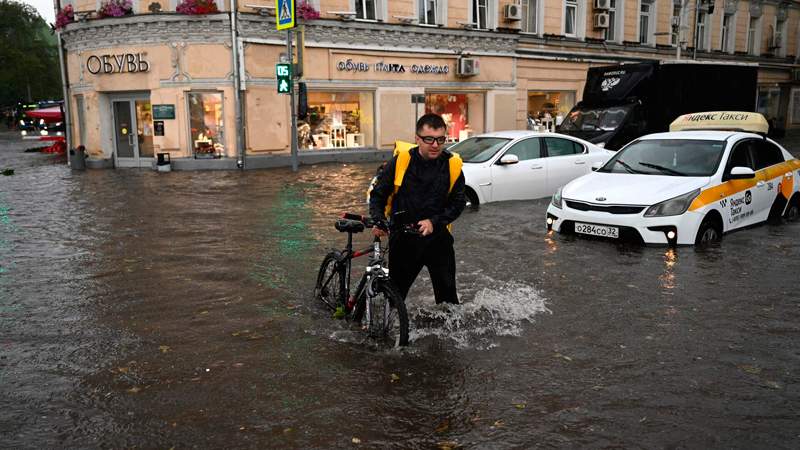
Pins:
<point x="349" y="226"/>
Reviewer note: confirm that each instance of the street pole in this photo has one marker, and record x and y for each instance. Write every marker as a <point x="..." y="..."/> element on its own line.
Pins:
<point x="65" y="89"/>
<point x="291" y="94"/>
<point x="680" y="28"/>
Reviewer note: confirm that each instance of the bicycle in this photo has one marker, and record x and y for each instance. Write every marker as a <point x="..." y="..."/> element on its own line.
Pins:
<point x="377" y="305"/>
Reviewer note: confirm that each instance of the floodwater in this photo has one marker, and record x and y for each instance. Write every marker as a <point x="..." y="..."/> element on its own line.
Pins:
<point x="150" y="310"/>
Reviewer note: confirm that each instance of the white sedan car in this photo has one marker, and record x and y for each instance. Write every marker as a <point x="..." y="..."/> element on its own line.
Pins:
<point x="523" y="165"/>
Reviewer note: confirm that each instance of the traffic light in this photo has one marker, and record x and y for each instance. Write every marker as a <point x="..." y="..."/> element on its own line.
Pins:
<point x="284" y="74"/>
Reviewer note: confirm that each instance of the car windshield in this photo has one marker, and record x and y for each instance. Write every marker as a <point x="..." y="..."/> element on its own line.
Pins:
<point x="595" y="119"/>
<point x="479" y="149"/>
<point x="672" y="157"/>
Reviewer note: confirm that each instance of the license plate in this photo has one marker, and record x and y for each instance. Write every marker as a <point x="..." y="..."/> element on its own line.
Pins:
<point x="597" y="230"/>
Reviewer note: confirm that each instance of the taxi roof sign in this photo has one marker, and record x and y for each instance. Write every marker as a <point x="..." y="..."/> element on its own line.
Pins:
<point x="721" y="121"/>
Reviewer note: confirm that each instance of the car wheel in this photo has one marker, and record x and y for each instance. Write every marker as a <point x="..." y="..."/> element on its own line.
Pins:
<point x="792" y="213"/>
<point x="708" y="233"/>
<point x="472" y="198"/>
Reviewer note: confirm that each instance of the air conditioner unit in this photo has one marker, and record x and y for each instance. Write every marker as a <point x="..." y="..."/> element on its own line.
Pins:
<point x="512" y="12"/>
<point x="602" y="4"/>
<point x="468" y="67"/>
<point x="775" y="42"/>
<point x="601" y="20"/>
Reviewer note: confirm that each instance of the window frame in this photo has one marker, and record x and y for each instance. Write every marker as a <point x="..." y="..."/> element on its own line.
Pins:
<point x="701" y="29"/>
<point x="538" y="16"/>
<point x="491" y="13"/>
<point x="753" y="39"/>
<point x="725" y="32"/>
<point x="675" y="39"/>
<point x="781" y="28"/>
<point x="612" y="21"/>
<point x="373" y="92"/>
<point x="542" y="153"/>
<point x="652" y="18"/>
<point x="575" y="144"/>
<point x="746" y="143"/>
<point x="573" y="5"/>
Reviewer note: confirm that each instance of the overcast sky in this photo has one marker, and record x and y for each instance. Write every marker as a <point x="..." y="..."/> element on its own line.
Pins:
<point x="45" y="8"/>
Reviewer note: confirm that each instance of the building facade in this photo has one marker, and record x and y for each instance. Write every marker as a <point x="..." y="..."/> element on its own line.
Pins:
<point x="203" y="89"/>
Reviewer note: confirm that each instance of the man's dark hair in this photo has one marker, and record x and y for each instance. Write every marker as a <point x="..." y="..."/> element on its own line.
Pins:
<point x="433" y="121"/>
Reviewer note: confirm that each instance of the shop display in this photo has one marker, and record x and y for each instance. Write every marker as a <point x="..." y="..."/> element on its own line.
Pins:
<point x="463" y="113"/>
<point x="337" y="120"/>
<point x="206" y="124"/>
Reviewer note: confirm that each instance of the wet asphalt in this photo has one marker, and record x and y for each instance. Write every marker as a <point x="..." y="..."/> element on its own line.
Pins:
<point x="148" y="310"/>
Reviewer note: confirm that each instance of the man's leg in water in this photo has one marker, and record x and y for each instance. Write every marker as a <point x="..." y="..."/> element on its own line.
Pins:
<point x="404" y="265"/>
<point x="440" y="259"/>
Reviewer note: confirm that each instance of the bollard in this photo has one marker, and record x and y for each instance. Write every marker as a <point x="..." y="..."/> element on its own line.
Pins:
<point x="77" y="159"/>
<point x="164" y="164"/>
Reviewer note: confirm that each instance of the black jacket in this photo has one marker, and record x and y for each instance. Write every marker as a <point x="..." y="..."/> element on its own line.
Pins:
<point x="423" y="194"/>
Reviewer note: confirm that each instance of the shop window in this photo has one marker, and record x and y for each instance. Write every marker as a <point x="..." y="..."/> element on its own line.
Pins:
<point x="463" y="113"/>
<point x="768" y="100"/>
<point x="548" y="109"/>
<point x="338" y="120"/>
<point x="81" y="107"/>
<point x="206" y="122"/>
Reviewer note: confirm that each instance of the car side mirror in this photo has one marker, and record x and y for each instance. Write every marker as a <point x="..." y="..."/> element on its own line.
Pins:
<point x="508" y="159"/>
<point x="596" y="166"/>
<point x="741" y="173"/>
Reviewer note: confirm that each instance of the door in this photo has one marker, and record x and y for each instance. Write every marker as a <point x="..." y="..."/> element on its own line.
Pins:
<point x="742" y="198"/>
<point x="566" y="161"/>
<point x="133" y="133"/>
<point x="524" y="180"/>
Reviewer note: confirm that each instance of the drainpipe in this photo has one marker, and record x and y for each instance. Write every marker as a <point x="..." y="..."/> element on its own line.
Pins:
<point x="696" y="15"/>
<point x="240" y="133"/>
<point x="64" y="88"/>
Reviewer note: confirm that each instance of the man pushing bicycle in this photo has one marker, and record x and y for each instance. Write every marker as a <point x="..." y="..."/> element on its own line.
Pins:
<point x="427" y="184"/>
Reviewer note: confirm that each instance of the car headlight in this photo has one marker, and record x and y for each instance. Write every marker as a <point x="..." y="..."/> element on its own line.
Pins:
<point x="557" y="198"/>
<point x="674" y="206"/>
<point x="601" y="144"/>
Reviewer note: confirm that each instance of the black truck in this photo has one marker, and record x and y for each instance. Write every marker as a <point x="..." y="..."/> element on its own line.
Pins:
<point x="621" y="103"/>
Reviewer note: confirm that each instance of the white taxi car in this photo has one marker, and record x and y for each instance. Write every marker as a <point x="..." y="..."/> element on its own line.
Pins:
<point x="523" y="165"/>
<point x="688" y="186"/>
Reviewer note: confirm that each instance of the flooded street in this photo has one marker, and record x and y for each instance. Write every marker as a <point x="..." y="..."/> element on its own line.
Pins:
<point x="175" y="310"/>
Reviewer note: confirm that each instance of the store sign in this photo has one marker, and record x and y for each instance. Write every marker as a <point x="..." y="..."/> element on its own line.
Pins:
<point x="127" y="62"/>
<point x="163" y="111"/>
<point x="350" y="66"/>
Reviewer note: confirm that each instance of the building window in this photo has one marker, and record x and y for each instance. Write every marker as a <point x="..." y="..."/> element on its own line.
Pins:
<point x="366" y="9"/>
<point x="480" y="13"/>
<point x="700" y="32"/>
<point x="81" y="107"/>
<point x="530" y="16"/>
<point x="427" y="12"/>
<point x="725" y="41"/>
<point x="343" y="119"/>
<point x="464" y="114"/>
<point x="752" y="26"/>
<point x="611" y="31"/>
<point x="768" y="99"/>
<point x="571" y="18"/>
<point x="674" y="35"/>
<point x="206" y="122"/>
<point x="548" y="109"/>
<point x="644" y="23"/>
<point x="780" y="37"/>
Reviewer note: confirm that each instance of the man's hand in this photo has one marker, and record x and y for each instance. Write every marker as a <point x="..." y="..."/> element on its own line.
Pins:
<point x="378" y="232"/>
<point x="425" y="227"/>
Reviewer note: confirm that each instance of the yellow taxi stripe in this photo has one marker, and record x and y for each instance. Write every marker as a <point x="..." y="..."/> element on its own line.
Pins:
<point x="715" y="193"/>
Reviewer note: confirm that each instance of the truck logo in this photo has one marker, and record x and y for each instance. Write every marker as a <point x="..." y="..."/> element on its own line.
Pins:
<point x="748" y="197"/>
<point x="609" y="83"/>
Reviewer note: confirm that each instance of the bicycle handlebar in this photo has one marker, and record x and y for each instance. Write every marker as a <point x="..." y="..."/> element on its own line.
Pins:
<point x="370" y="222"/>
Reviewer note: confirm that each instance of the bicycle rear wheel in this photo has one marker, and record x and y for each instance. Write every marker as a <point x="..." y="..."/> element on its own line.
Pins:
<point x="389" y="318"/>
<point x="330" y="283"/>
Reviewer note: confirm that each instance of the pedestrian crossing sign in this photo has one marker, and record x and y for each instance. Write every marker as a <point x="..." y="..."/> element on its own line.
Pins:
<point x="285" y="12"/>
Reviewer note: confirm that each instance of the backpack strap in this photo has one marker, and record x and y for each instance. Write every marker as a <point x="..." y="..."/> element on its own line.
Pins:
<point x="400" y="168"/>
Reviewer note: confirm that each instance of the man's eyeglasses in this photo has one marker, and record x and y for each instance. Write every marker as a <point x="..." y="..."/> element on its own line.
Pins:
<point x="430" y="139"/>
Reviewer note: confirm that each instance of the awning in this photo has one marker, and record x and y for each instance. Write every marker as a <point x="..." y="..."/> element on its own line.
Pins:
<point x="48" y="114"/>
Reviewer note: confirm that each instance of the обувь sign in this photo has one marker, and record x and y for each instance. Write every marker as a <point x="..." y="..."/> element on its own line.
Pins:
<point x="127" y="62"/>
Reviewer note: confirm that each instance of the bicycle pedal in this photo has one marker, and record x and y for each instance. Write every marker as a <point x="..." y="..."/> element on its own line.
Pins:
<point x="351" y="303"/>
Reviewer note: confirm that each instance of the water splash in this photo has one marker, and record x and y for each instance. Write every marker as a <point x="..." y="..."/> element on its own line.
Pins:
<point x="500" y="310"/>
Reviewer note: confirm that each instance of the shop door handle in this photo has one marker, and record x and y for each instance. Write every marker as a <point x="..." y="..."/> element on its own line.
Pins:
<point x="130" y="140"/>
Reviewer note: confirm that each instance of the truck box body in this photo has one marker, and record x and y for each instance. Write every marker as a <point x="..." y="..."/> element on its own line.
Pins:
<point x="621" y="103"/>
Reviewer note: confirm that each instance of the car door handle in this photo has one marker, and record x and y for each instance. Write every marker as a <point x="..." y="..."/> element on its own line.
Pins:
<point x="580" y="162"/>
<point x="536" y="167"/>
<point x="760" y="184"/>
<point x="788" y="175"/>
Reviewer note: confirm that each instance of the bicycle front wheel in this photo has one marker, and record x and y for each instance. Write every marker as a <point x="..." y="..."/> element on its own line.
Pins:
<point x="388" y="315"/>
<point x="330" y="283"/>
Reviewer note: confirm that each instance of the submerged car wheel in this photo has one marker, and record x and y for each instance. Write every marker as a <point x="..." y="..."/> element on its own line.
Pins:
<point x="472" y="198"/>
<point x="709" y="232"/>
<point x="792" y="213"/>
